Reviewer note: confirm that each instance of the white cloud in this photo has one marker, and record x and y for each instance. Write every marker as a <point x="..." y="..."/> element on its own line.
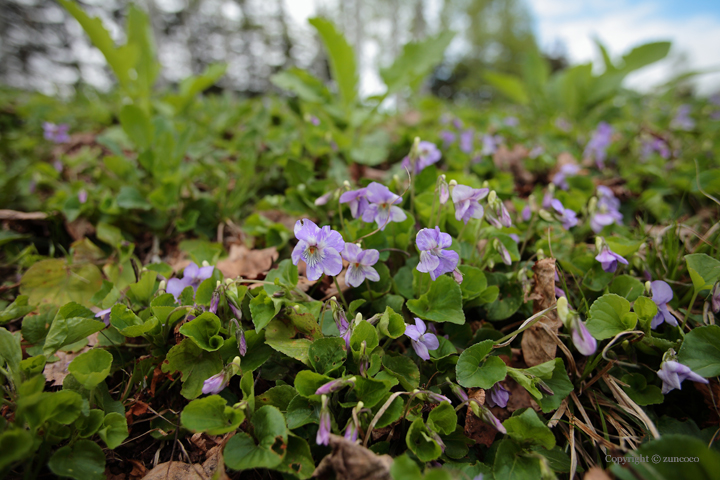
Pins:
<point x="621" y="25"/>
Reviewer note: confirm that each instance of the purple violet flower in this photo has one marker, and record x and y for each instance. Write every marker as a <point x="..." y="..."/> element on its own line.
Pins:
<point x="607" y="210"/>
<point x="323" y="199"/>
<point x="487" y="417"/>
<point x="215" y="384"/>
<point x="466" y="202"/>
<point x="655" y="145"/>
<point x="490" y="144"/>
<point x="193" y="276"/>
<point x="583" y="341"/>
<point x="447" y="137"/>
<point x="500" y="217"/>
<point x="526" y="213"/>
<point x="82" y="196"/>
<point x="598" y="144"/>
<point x="609" y="259"/>
<point x="319" y="248"/>
<point x="567" y="170"/>
<point x="715" y="300"/>
<point x="104" y="315"/>
<point x="314" y="120"/>
<point x="428" y="154"/>
<point x="56" y="133"/>
<point x="511" y="121"/>
<point x="323" y="434"/>
<point x="436" y="397"/>
<point x="382" y="208"/>
<point x="57" y="165"/>
<point x="242" y="348"/>
<point x="357" y="200"/>
<point x="433" y="258"/>
<point x="459" y="392"/>
<point x="503" y="252"/>
<point x="661" y="295"/>
<point x="497" y="396"/>
<point x="214" y="302"/>
<point x="536" y="152"/>
<point x="466" y="141"/>
<point x="565" y="215"/>
<point x="361" y="264"/>
<point x="421" y="341"/>
<point x="335" y="385"/>
<point x="682" y="120"/>
<point x="673" y="374"/>
<point x="351" y="432"/>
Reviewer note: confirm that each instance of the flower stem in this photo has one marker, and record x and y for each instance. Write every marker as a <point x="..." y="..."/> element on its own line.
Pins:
<point x="432" y="212"/>
<point x="342" y="297"/>
<point x="342" y="221"/>
<point x="687" y="313"/>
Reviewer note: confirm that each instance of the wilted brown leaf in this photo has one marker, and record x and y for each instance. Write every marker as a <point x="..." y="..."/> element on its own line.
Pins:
<point x="15" y="215"/>
<point x="596" y="473"/>
<point x="350" y="461"/>
<point x="246" y="263"/>
<point x="213" y="468"/>
<point x="57" y="371"/>
<point x="537" y="345"/>
<point x="79" y="228"/>
<point x="512" y="161"/>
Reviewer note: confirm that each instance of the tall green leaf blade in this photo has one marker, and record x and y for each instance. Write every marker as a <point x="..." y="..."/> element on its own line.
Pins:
<point x="342" y="59"/>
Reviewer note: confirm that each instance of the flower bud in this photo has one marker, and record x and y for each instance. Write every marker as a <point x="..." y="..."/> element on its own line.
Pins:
<point x="599" y="243"/>
<point x="453" y="183"/>
<point x="492" y="198"/>
<point x="205" y="263"/>
<point x="162" y="285"/>
<point x="562" y="309"/>
<point x="592" y="205"/>
<point x="648" y="287"/>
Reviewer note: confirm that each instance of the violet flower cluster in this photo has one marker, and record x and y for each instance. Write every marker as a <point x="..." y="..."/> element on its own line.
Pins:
<point x="596" y="148"/>
<point x="466" y="200"/>
<point x="193" y="276"/>
<point x="56" y="133"/>
<point x="427" y="154"/>
<point x="374" y="203"/>
<point x="655" y="145"/>
<point x="606" y="211"/>
<point x="567" y="170"/>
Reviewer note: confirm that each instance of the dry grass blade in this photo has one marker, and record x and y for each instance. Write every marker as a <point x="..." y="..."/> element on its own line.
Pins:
<point x="584" y="414"/>
<point x="566" y="351"/>
<point x="558" y="414"/>
<point x="628" y="405"/>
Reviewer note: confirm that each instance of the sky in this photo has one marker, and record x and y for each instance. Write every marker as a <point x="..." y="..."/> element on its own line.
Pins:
<point x="693" y="27"/>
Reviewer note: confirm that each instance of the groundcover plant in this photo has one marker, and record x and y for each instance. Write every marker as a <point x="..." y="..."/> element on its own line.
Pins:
<point x="286" y="288"/>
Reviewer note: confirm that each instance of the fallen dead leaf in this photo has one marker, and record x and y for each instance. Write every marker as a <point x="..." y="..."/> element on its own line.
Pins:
<point x="537" y="345"/>
<point x="596" y="473"/>
<point x="512" y="161"/>
<point x="350" y="461"/>
<point x="213" y="468"/>
<point x="246" y="263"/>
<point x="79" y="228"/>
<point x="139" y="470"/>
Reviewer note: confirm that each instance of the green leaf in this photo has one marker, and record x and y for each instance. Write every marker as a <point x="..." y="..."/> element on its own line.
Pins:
<point x="137" y="126"/>
<point x="644" y="55"/>
<point x="302" y="83"/>
<point x="370" y="391"/>
<point x="627" y="286"/>
<point x="71" y="324"/>
<point x="19" y="308"/>
<point x="203" y="330"/>
<point x="529" y="429"/>
<point x="403" y="369"/>
<point x="211" y="415"/>
<point x="129" y="324"/>
<point x="241" y="452"/>
<point x="415" y="62"/>
<point x="307" y="383"/>
<point x="442" y="303"/>
<point x="10" y="351"/>
<point x="671" y="446"/>
<point x="280" y="337"/>
<point x="84" y="460"/>
<point x="472" y="372"/>
<point x="509" y="85"/>
<point x="701" y="351"/>
<point x="707" y="270"/>
<point x="596" y="279"/>
<point x="391" y="324"/>
<point x="114" y="430"/>
<point x="443" y="419"/>
<point x="304" y="319"/>
<point x="561" y="386"/>
<point x="610" y="315"/>
<point x="279" y="397"/>
<point x="88" y="425"/>
<point x="505" y="304"/>
<point x="302" y="411"/>
<point x="404" y="468"/>
<point x="298" y="459"/>
<point x="474" y="282"/>
<point x="512" y="464"/>
<point x="263" y="309"/>
<point x="640" y="392"/>
<point x="193" y="85"/>
<point x="420" y="442"/>
<point x="202" y="250"/>
<point x="247" y="385"/>
<point x="15" y="445"/>
<point x="646" y="310"/>
<point x="144" y="289"/>
<point x="91" y="368"/>
<point x="363" y="332"/>
<point x="342" y="60"/>
<point x="195" y="364"/>
<point x="57" y="282"/>
<point x="327" y="354"/>
<point x="130" y="198"/>
<point x="285" y="276"/>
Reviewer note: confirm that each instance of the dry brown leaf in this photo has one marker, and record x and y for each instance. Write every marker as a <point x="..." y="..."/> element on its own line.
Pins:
<point x="537" y="345"/>
<point x="350" y="461"/>
<point x="519" y="397"/>
<point x="79" y="228"/>
<point x="512" y="161"/>
<point x="212" y="468"/>
<point x="139" y="470"/>
<point x="596" y="473"/>
<point x="278" y="216"/>
<point x="246" y="263"/>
